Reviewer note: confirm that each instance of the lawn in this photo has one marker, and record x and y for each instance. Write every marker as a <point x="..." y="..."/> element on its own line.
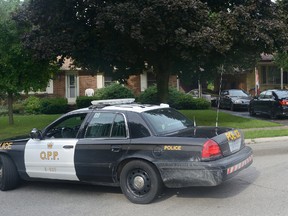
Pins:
<point x="25" y="123"/>
<point x="208" y="118"/>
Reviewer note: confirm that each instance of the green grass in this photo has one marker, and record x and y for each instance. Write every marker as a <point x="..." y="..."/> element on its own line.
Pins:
<point x="23" y="124"/>
<point x="265" y="133"/>
<point x="208" y="118"/>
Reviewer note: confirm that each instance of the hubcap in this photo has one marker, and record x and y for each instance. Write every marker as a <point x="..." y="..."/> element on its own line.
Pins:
<point x="138" y="182"/>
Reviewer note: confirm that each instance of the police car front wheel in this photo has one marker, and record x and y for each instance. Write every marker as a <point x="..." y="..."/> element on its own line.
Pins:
<point x="140" y="182"/>
<point x="9" y="178"/>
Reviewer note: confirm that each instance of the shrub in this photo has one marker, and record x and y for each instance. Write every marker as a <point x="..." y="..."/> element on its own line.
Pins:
<point x="31" y="105"/>
<point x="149" y="96"/>
<point x="85" y="101"/>
<point x="53" y="105"/>
<point x="3" y="110"/>
<point x="176" y="99"/>
<point x="113" y="91"/>
<point x="19" y="108"/>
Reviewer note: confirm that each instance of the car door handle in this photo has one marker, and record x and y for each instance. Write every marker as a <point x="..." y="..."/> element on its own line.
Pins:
<point x="68" y="146"/>
<point x="116" y="148"/>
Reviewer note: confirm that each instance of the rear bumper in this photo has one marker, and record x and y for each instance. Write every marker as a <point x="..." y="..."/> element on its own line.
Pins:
<point x="283" y="111"/>
<point x="212" y="173"/>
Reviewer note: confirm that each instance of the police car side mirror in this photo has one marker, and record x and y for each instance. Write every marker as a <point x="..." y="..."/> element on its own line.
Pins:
<point x="36" y="134"/>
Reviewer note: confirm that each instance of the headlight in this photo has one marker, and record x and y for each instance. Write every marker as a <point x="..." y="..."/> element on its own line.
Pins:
<point x="237" y="101"/>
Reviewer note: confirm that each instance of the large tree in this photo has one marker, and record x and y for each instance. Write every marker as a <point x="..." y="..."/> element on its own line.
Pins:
<point x="18" y="70"/>
<point x="170" y="36"/>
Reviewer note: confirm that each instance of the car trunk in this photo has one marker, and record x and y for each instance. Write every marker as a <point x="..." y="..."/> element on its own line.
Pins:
<point x="229" y="140"/>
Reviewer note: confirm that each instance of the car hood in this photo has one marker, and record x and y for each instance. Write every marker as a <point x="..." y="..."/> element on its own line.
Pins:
<point x="240" y="98"/>
<point x="16" y="139"/>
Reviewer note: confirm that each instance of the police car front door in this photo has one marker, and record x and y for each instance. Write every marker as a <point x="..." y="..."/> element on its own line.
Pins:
<point x="51" y="159"/>
<point x="53" y="156"/>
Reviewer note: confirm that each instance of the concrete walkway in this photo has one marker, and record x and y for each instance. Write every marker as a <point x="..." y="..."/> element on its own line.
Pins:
<point x="267" y="139"/>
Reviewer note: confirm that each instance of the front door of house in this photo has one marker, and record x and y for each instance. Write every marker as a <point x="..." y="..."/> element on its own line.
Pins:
<point x="71" y="87"/>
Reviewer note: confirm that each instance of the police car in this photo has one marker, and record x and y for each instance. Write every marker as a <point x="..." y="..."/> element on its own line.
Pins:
<point x="140" y="148"/>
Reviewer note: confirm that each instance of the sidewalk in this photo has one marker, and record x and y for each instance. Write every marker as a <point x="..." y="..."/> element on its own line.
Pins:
<point x="267" y="139"/>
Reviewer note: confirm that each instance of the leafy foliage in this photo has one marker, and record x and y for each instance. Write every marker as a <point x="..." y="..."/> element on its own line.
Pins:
<point x="18" y="70"/>
<point x="191" y="38"/>
<point x="53" y="105"/>
<point x="177" y="100"/>
<point x="114" y="91"/>
<point x="32" y="105"/>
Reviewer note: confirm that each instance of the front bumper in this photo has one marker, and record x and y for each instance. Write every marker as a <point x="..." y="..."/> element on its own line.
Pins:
<point x="241" y="105"/>
<point x="212" y="173"/>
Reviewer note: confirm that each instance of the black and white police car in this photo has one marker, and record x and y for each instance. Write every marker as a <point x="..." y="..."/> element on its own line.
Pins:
<point x="137" y="147"/>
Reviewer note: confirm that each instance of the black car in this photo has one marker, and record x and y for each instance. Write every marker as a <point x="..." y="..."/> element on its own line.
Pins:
<point x="272" y="102"/>
<point x="234" y="99"/>
<point x="137" y="147"/>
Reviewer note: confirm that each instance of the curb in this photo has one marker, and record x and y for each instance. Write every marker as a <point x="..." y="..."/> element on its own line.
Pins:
<point x="268" y="139"/>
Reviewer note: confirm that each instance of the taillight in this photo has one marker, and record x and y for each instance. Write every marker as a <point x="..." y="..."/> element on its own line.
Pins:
<point x="283" y="102"/>
<point x="210" y="150"/>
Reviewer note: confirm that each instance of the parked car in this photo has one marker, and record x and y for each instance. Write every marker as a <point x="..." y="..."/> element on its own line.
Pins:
<point x="234" y="99"/>
<point x="137" y="147"/>
<point x="207" y="94"/>
<point x="270" y="102"/>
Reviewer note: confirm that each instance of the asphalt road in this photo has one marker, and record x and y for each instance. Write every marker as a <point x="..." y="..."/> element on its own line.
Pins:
<point x="259" y="190"/>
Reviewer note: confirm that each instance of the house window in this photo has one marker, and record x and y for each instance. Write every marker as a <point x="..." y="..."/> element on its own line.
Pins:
<point x="107" y="81"/>
<point x="271" y="75"/>
<point x="151" y="79"/>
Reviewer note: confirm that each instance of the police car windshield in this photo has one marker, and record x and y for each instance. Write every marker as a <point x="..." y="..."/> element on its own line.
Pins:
<point x="167" y="120"/>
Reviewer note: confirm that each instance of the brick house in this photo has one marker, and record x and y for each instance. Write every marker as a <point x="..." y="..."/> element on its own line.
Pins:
<point x="265" y="75"/>
<point x="71" y="83"/>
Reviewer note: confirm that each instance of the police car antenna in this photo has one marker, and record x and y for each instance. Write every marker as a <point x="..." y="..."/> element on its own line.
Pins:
<point x="218" y="101"/>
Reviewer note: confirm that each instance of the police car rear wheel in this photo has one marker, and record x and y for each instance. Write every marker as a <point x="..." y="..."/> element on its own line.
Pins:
<point x="9" y="178"/>
<point x="140" y="182"/>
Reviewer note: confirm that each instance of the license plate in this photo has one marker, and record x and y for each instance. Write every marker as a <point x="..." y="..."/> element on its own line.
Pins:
<point x="234" y="145"/>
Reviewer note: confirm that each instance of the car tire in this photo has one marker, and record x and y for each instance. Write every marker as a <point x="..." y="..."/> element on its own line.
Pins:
<point x="273" y="114"/>
<point x="232" y="108"/>
<point x="9" y="178"/>
<point x="252" y="112"/>
<point x="140" y="182"/>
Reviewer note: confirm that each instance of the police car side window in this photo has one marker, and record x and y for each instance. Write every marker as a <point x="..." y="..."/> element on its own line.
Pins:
<point x="100" y="125"/>
<point x="118" y="128"/>
<point x="137" y="126"/>
<point x="66" y="127"/>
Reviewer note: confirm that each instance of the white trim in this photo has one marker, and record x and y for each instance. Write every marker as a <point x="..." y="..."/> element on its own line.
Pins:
<point x="143" y="81"/>
<point x="100" y="81"/>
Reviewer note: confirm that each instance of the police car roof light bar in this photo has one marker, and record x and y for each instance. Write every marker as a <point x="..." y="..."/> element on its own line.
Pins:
<point x="113" y="101"/>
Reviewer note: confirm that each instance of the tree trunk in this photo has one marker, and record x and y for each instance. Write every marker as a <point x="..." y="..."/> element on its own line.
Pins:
<point x="10" y="108"/>
<point x="163" y="75"/>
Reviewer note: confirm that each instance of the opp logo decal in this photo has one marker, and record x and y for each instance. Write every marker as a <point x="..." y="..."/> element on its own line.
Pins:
<point x="49" y="155"/>
<point x="233" y="135"/>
